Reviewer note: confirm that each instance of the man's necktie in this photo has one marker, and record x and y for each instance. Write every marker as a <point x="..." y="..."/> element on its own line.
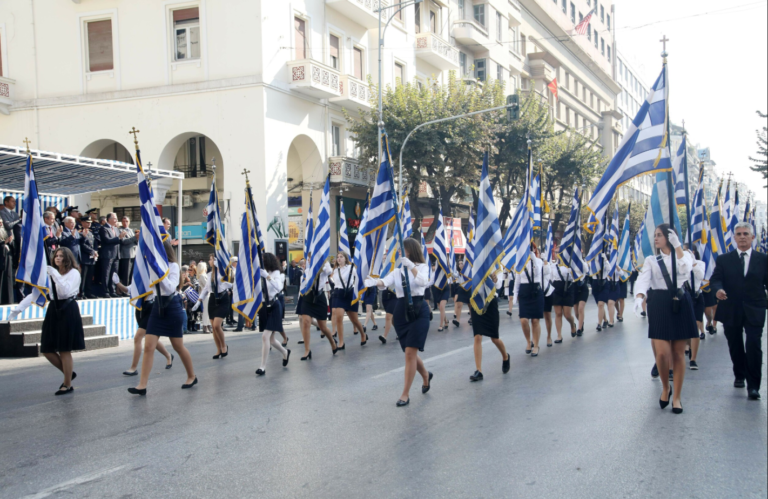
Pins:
<point x="743" y="260"/>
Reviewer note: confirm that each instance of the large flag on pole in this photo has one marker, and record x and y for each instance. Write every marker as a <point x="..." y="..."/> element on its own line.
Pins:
<point x="638" y="258"/>
<point x="717" y="227"/>
<point x="363" y="254"/>
<point x="727" y="210"/>
<point x="536" y="192"/>
<point x="625" y="245"/>
<point x="678" y="167"/>
<point x="32" y="261"/>
<point x="657" y="214"/>
<point x="469" y="255"/>
<point x="321" y="240"/>
<point x="613" y="246"/>
<point x="443" y="269"/>
<point x="549" y="247"/>
<point x="524" y="236"/>
<point x="247" y="293"/>
<point x="570" y="253"/>
<point x="487" y="244"/>
<point x="382" y="210"/>
<point x="643" y="150"/>
<point x="213" y="234"/>
<point x="343" y="236"/>
<point x="699" y="234"/>
<point x="510" y="250"/>
<point x="151" y="263"/>
<point x="594" y="256"/>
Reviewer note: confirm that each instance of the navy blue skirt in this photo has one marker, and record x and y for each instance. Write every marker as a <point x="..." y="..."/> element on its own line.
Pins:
<point x="622" y="290"/>
<point x="710" y="299"/>
<point x="486" y="324"/>
<point x="62" y="328"/>
<point x="315" y="308"/>
<point x="698" y="307"/>
<point x="601" y="290"/>
<point x="222" y="309"/>
<point x="663" y="323"/>
<point x="142" y="316"/>
<point x="411" y="334"/>
<point x="271" y="318"/>
<point x="511" y="290"/>
<point x="463" y="295"/>
<point x="581" y="292"/>
<point x="531" y="301"/>
<point x="561" y="297"/>
<point x="454" y="289"/>
<point x="339" y="301"/>
<point x="549" y="301"/>
<point x="369" y="298"/>
<point x="441" y="294"/>
<point x="388" y="301"/>
<point x="172" y="321"/>
<point x="428" y="294"/>
<point x="612" y="290"/>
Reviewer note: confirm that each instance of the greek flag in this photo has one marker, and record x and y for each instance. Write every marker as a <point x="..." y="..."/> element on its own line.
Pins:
<point x="764" y="242"/>
<point x="405" y="216"/>
<point x="321" y="240"/>
<point x="32" y="261"/>
<point x="612" y="240"/>
<point x="522" y="244"/>
<point x="625" y="244"/>
<point x="213" y="234"/>
<point x="247" y="295"/>
<point x="392" y="261"/>
<point x="753" y="221"/>
<point x="536" y="194"/>
<point x="594" y="256"/>
<point x="469" y="254"/>
<point x="425" y="252"/>
<point x="657" y="214"/>
<point x="699" y="234"/>
<point x="510" y="250"/>
<point x="486" y="241"/>
<point x="643" y="150"/>
<point x="570" y="245"/>
<point x="443" y="269"/>
<point x="452" y="254"/>
<point x="151" y="263"/>
<point x="363" y="253"/>
<point x="746" y="212"/>
<point x="638" y="257"/>
<point x="717" y="228"/>
<point x="343" y="237"/>
<point x="549" y="247"/>
<point x="727" y="208"/>
<point x="708" y="256"/>
<point x="308" y="233"/>
<point x="734" y="219"/>
<point x="678" y="167"/>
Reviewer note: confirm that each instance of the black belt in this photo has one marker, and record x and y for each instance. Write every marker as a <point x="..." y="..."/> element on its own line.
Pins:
<point x="63" y="303"/>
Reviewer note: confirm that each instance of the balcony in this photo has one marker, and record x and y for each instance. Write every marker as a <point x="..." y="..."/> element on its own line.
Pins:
<point x="347" y="171"/>
<point x="354" y="94"/>
<point x="515" y="13"/>
<point x="472" y="34"/>
<point x="7" y="89"/>
<point x="363" y="12"/>
<point x="315" y="79"/>
<point x="434" y="50"/>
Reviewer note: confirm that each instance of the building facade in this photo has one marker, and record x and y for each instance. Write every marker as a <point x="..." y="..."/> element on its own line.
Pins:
<point x="264" y="85"/>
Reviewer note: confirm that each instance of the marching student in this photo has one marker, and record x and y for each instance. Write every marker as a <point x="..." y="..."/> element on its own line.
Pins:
<point x="562" y="298"/>
<point x="219" y="304"/>
<point x="441" y="298"/>
<point x="462" y="295"/>
<point x="411" y="334"/>
<point x="388" y="301"/>
<point x="344" y="280"/>
<point x="529" y="295"/>
<point x="580" y="298"/>
<point x="621" y="295"/>
<point x="369" y="300"/>
<point x="62" y="326"/>
<point x="603" y="295"/>
<point x="142" y="318"/>
<point x="487" y="324"/>
<point x="671" y="322"/>
<point x="314" y="305"/>
<point x="166" y="319"/>
<point x="710" y="310"/>
<point x="698" y="307"/>
<point x="510" y="280"/>
<point x="549" y="291"/>
<point x="271" y="312"/>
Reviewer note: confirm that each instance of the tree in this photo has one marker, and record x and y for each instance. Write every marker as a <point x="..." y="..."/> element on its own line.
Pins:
<point x="446" y="156"/>
<point x="761" y="161"/>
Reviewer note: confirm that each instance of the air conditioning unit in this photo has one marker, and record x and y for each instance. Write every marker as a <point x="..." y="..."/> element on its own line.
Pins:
<point x="187" y="201"/>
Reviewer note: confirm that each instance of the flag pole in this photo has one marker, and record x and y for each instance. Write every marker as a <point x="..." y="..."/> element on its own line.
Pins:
<point x="670" y="190"/>
<point x="249" y="193"/>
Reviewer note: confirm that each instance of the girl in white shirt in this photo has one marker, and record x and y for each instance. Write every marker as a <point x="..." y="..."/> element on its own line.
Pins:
<point x="344" y="282"/>
<point x="698" y="307"/>
<point x="314" y="305"/>
<point x="271" y="312"/>
<point x="529" y="293"/>
<point x="218" y="306"/>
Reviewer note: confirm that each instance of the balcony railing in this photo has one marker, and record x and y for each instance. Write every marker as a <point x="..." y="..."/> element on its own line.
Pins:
<point x="354" y="93"/>
<point x="313" y="78"/>
<point x="472" y="34"/>
<point x="363" y="12"/>
<point x="7" y="89"/>
<point x="436" y="51"/>
<point x="347" y="170"/>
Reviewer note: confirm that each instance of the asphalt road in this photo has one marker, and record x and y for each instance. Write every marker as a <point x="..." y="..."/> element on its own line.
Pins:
<point x="580" y="420"/>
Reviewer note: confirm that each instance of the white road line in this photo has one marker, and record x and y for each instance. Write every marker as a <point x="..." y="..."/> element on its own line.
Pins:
<point x="71" y="483"/>
<point x="431" y="359"/>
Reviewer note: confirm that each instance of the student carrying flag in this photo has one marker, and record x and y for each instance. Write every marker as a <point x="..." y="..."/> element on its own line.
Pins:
<point x="441" y="288"/>
<point x="343" y="236"/>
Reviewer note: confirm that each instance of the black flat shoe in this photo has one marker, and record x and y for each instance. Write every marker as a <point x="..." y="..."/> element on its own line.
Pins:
<point x="643" y="314"/>
<point x="573" y="334"/>
<point x="375" y="327"/>
<point x="677" y="410"/>
<point x="224" y="354"/>
<point x="580" y="332"/>
<point x="64" y="390"/>
<point x="127" y="373"/>
<point x="536" y="354"/>
<point x="286" y="342"/>
<point x="528" y="352"/>
<point x="509" y="314"/>
<point x="189" y="385"/>
<point x="137" y="391"/>
<point x="456" y="323"/>
<point x="383" y="340"/>
<point x="702" y="336"/>
<point x="605" y="324"/>
<point x="364" y="342"/>
<point x="168" y="366"/>
<point x="599" y="328"/>
<point x="739" y="383"/>
<point x="753" y="394"/>
<point x="505" y="365"/>
<point x="664" y="403"/>
<point x="403" y="403"/>
<point x="309" y="355"/>
<point x="620" y="319"/>
<point x="260" y="372"/>
<point x="549" y="344"/>
<point x="425" y="389"/>
<point x="287" y="358"/>
<point x="478" y="376"/>
<point x="440" y="330"/>
<point x="217" y="356"/>
<point x="610" y="324"/>
<point x="558" y="341"/>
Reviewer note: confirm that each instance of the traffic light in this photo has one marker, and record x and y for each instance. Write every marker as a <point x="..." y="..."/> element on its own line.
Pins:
<point x="513" y="107"/>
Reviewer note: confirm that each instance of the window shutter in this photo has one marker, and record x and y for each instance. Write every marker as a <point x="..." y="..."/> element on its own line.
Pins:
<point x="300" y="44"/>
<point x="358" y="63"/>
<point x="335" y="46"/>
<point x="186" y="14"/>
<point x="100" y="46"/>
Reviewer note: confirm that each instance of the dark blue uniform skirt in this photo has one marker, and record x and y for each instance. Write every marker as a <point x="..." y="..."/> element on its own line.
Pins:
<point x="531" y="301"/>
<point x="388" y="301"/>
<point x="223" y="308"/>
<point x="142" y="316"/>
<point x="369" y="298"/>
<point x="663" y="324"/>
<point x="710" y="299"/>
<point x="548" y="302"/>
<point x="428" y="294"/>
<point x="600" y="290"/>
<point x="562" y="298"/>
<point x="316" y="308"/>
<point x="464" y="295"/>
<point x="411" y="334"/>
<point x="698" y="307"/>
<point x="454" y="289"/>
<point x="612" y="290"/>
<point x="339" y="301"/>
<point x="581" y="292"/>
<point x="63" y="328"/>
<point x="488" y="323"/>
<point x="511" y="290"/>
<point x="271" y="319"/>
<point x="622" y="290"/>
<point x="170" y="324"/>
<point x="441" y="294"/>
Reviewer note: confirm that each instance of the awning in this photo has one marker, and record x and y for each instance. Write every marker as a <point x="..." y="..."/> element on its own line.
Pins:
<point x="68" y="175"/>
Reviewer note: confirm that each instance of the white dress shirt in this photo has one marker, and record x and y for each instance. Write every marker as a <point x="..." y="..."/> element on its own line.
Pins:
<point x="67" y="285"/>
<point x="698" y="274"/>
<point x="169" y="284"/>
<point x="534" y="266"/>
<point x="651" y="278"/>
<point x="275" y="284"/>
<point x="418" y="283"/>
<point x="746" y="258"/>
<point x="554" y="276"/>
<point x="340" y="276"/>
<point x="220" y="288"/>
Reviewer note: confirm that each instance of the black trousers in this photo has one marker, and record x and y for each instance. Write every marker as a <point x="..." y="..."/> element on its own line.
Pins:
<point x="86" y="278"/>
<point x="125" y="271"/>
<point x="108" y="267"/>
<point x="747" y="362"/>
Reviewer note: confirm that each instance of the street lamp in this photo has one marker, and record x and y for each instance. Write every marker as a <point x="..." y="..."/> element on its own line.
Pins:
<point x="401" y="6"/>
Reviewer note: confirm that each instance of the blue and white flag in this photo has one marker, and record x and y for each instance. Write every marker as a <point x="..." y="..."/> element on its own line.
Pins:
<point x="510" y="250"/>
<point x="405" y="216"/>
<point x="469" y="254"/>
<point x="425" y="252"/>
<point x="595" y="254"/>
<point x="247" y="295"/>
<point x="321" y="240"/>
<point x="439" y="251"/>
<point x="625" y="245"/>
<point x="679" y="167"/>
<point x="549" y="247"/>
<point x="698" y="234"/>
<point x="613" y="244"/>
<point x="524" y="235"/>
<point x="657" y="214"/>
<point x="708" y="256"/>
<point x="536" y="201"/>
<point x="382" y="210"/>
<point x="569" y="252"/>
<point x="764" y="242"/>
<point x="734" y="213"/>
<point x="638" y="258"/>
<point x="32" y="261"/>
<point x="487" y="245"/>
<point x="717" y="227"/>
<point x="746" y="212"/>
<point x="452" y="253"/>
<point x="727" y="211"/>
<point x="343" y="236"/>
<point x="643" y="149"/>
<point x="363" y="255"/>
<point x="214" y="237"/>
<point x="753" y="221"/>
<point x="151" y="263"/>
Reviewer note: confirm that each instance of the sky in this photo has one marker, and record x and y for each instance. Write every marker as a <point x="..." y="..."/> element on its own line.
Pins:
<point x="718" y="70"/>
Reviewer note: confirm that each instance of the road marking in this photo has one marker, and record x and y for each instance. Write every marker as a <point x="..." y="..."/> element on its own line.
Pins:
<point x="431" y="359"/>
<point x="71" y="483"/>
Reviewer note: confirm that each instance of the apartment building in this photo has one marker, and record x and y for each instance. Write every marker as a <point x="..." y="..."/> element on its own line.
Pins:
<point x="263" y="86"/>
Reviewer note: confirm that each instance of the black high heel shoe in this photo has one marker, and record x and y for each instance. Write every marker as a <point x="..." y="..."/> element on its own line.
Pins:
<point x="676" y="410"/>
<point x="168" y="366"/>
<point x="403" y="403"/>
<point x="366" y="340"/>
<point x="287" y="358"/>
<point x="224" y="354"/>
<point x="189" y="385"/>
<point x="664" y="403"/>
<point x="383" y="340"/>
<point x="137" y="391"/>
<point x="425" y="389"/>
<point x="309" y="355"/>
<point x="217" y="356"/>
<point x="342" y="347"/>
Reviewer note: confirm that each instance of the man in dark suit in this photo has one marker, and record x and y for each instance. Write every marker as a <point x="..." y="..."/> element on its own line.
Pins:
<point x="70" y="238"/>
<point x="740" y="282"/>
<point x="88" y="255"/>
<point x="109" y="254"/>
<point x="128" y="243"/>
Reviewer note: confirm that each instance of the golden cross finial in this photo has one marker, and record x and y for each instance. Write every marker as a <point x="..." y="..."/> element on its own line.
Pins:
<point x="246" y="172"/>
<point x="135" y="139"/>
<point x="27" y="142"/>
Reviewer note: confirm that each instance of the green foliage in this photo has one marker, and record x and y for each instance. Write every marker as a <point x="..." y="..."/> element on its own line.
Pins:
<point x="761" y="161"/>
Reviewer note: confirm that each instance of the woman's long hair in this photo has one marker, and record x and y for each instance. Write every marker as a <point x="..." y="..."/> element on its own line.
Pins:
<point x="665" y="230"/>
<point x="270" y="262"/>
<point x="413" y="250"/>
<point x="68" y="260"/>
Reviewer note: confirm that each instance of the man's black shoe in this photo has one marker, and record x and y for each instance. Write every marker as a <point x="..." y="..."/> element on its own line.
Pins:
<point x="738" y="383"/>
<point x="754" y="394"/>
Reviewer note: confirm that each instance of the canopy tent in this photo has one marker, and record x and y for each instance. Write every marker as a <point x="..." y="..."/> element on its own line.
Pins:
<point x="67" y="175"/>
